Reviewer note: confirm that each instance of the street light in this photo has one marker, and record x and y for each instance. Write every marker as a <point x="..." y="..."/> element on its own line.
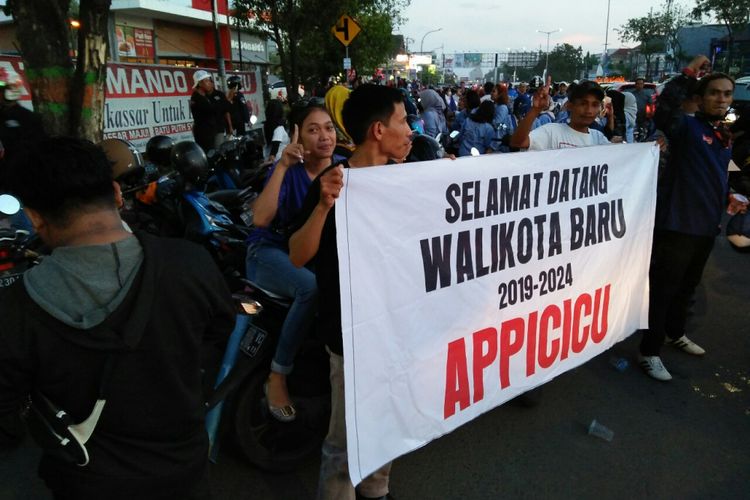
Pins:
<point x="421" y="45"/>
<point x="546" y="60"/>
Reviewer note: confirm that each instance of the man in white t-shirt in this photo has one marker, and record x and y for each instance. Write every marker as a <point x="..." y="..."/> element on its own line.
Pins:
<point x="584" y="104"/>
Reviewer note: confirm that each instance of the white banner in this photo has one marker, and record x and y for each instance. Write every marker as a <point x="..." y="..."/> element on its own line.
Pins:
<point x="145" y="100"/>
<point x="142" y="100"/>
<point x="466" y="283"/>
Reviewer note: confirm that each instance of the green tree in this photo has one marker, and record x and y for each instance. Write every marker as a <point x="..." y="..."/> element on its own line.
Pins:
<point x="565" y="62"/>
<point x="675" y="17"/>
<point x="69" y="97"/>
<point x="301" y="30"/>
<point x="734" y="14"/>
<point x="321" y="55"/>
<point x="590" y="62"/>
<point x="649" y="31"/>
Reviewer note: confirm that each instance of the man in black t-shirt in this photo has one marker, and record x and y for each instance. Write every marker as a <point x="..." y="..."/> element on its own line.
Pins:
<point x="237" y="105"/>
<point x="375" y="118"/>
<point x="210" y="109"/>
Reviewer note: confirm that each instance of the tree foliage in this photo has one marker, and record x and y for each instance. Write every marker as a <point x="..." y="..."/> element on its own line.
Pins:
<point x="650" y="32"/>
<point x="565" y="62"/>
<point x="301" y="30"/>
<point x="69" y="98"/>
<point x="734" y="14"/>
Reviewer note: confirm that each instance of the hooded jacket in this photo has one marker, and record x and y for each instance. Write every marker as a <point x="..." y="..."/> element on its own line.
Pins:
<point x="150" y="440"/>
<point x="433" y="114"/>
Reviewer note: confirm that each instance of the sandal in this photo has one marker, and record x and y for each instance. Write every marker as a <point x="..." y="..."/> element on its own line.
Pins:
<point x="283" y="414"/>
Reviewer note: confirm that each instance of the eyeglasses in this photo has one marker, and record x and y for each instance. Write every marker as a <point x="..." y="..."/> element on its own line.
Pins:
<point x="318" y="102"/>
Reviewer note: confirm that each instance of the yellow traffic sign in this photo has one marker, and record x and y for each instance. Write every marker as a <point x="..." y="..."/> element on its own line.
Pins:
<point x="345" y="30"/>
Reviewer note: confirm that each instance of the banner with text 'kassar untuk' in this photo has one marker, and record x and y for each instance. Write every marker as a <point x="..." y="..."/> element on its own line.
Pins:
<point x="466" y="283"/>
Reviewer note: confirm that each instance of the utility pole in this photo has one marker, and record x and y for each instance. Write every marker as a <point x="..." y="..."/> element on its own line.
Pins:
<point x="217" y="42"/>
<point x="546" y="61"/>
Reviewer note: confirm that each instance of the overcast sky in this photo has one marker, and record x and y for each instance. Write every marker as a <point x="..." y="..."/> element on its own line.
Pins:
<point x="496" y="25"/>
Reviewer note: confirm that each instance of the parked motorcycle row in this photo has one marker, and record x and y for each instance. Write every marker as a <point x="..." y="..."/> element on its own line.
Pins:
<point x="182" y="192"/>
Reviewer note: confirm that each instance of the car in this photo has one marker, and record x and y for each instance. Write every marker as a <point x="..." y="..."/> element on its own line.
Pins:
<point x="277" y="90"/>
<point x="742" y="92"/>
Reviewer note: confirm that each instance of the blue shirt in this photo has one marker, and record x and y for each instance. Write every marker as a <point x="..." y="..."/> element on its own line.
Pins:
<point x="475" y="135"/>
<point x="292" y="193"/>
<point x="502" y="121"/>
<point x="434" y="123"/>
<point x="692" y="190"/>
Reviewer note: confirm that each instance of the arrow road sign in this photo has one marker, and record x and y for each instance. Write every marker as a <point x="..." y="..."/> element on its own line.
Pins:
<point x="345" y="30"/>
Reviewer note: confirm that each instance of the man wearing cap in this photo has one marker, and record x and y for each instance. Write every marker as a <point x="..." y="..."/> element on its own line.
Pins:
<point x="211" y="112"/>
<point x="584" y="105"/>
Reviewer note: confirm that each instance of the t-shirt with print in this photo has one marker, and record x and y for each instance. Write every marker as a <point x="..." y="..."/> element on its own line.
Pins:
<point x="561" y="136"/>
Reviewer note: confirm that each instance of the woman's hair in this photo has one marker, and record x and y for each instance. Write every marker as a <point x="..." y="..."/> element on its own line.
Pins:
<point x="301" y="110"/>
<point x="485" y="113"/>
<point x="502" y="94"/>
<point x="274" y="118"/>
<point x="472" y="99"/>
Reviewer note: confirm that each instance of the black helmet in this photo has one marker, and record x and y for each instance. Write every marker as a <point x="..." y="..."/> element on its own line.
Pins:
<point x="190" y="161"/>
<point x="127" y="162"/>
<point x="159" y="149"/>
<point x="423" y="148"/>
<point x="234" y="82"/>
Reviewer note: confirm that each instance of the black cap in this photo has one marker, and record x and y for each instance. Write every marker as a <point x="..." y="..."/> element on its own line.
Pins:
<point x="584" y="88"/>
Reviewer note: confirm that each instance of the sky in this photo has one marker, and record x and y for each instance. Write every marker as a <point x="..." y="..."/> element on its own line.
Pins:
<point x="496" y="25"/>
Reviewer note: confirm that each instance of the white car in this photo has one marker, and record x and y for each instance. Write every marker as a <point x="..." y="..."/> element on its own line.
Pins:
<point x="278" y="90"/>
<point x="742" y="91"/>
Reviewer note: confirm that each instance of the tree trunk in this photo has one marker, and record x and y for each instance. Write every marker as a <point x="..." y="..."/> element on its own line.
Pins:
<point x="69" y="100"/>
<point x="44" y="35"/>
<point x="87" y="88"/>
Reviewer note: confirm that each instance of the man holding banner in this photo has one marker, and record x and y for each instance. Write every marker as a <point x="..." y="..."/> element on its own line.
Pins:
<point x="584" y="104"/>
<point x="692" y="195"/>
<point x="375" y="118"/>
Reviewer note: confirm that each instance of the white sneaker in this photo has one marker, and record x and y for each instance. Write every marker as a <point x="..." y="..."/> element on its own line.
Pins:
<point x="686" y="345"/>
<point x="654" y="368"/>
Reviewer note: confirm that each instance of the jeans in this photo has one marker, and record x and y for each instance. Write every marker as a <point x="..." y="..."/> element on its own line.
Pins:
<point x="677" y="262"/>
<point x="334" y="482"/>
<point x="270" y="268"/>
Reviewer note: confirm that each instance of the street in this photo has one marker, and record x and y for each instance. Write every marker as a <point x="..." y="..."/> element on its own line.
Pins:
<point x="685" y="439"/>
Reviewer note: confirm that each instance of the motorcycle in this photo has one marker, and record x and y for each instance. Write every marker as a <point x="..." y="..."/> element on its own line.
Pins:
<point x="238" y="388"/>
<point x="237" y="163"/>
<point x="16" y="254"/>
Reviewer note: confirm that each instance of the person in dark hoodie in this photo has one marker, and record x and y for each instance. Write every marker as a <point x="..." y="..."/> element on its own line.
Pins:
<point x="110" y="313"/>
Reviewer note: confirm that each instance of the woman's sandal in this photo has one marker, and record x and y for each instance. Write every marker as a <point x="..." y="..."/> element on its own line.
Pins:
<point x="283" y="414"/>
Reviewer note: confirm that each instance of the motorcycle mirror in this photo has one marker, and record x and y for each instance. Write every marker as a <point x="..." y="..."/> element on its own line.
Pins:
<point x="9" y="205"/>
<point x="454" y="134"/>
<point x="253" y="120"/>
<point x="474" y="152"/>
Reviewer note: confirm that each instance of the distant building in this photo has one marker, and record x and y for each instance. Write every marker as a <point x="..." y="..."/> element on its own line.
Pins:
<point x="173" y="32"/>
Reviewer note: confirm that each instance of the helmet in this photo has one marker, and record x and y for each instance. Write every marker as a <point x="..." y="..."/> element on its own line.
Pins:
<point x="11" y="85"/>
<point x="536" y="82"/>
<point x="199" y="76"/>
<point x="159" y="149"/>
<point x="127" y="162"/>
<point x="190" y="161"/>
<point x="234" y="82"/>
<point x="424" y="148"/>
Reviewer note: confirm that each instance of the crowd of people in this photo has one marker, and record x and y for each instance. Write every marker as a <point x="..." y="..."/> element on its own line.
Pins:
<point x="109" y="304"/>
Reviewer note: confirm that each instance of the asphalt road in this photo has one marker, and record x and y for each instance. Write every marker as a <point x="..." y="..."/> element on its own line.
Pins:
<point x="686" y="439"/>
